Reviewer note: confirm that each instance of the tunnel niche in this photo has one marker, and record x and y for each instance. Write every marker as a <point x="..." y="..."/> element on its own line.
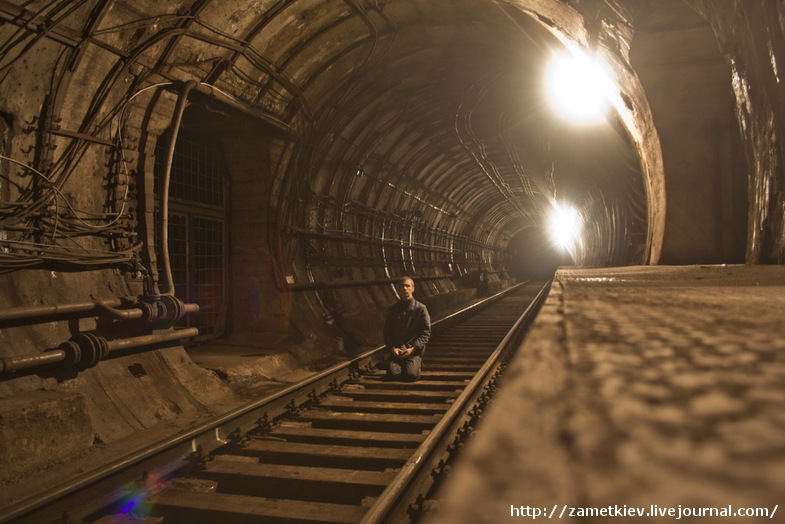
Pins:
<point x="677" y="57"/>
<point x="219" y="221"/>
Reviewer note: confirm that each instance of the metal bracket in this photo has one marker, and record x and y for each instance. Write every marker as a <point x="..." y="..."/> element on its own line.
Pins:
<point x="292" y="408"/>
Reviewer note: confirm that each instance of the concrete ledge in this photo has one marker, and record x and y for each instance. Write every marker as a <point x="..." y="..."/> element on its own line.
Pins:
<point x="249" y="358"/>
<point x="637" y="386"/>
<point x="42" y="426"/>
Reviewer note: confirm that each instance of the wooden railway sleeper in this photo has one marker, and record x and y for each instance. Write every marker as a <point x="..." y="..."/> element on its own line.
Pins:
<point x="439" y="474"/>
<point x="201" y="464"/>
<point x="425" y="506"/>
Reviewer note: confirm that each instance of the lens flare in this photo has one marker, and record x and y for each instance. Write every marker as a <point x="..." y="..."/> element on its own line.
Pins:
<point x="564" y="225"/>
<point x="579" y="86"/>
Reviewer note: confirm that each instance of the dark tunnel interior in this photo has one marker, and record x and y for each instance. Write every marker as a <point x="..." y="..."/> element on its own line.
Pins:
<point x="260" y="173"/>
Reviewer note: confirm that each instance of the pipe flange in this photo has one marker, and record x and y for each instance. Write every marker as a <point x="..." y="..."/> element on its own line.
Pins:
<point x="73" y="353"/>
<point x="153" y="309"/>
<point x="99" y="348"/>
<point x="148" y="311"/>
<point x="164" y="309"/>
<point x="173" y="308"/>
<point x="84" y="350"/>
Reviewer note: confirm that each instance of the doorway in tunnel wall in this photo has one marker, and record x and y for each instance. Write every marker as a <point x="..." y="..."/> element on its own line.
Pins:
<point x="221" y="197"/>
<point x="198" y="229"/>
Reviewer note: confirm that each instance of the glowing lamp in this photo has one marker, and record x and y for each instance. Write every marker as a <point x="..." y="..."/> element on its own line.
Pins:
<point x="579" y="86"/>
<point x="564" y="225"/>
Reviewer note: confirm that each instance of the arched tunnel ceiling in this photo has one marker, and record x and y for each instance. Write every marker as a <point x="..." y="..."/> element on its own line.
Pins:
<point x="440" y="100"/>
<point x="426" y="109"/>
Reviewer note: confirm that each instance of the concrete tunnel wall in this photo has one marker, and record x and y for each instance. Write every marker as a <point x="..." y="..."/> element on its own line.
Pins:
<point x="361" y="141"/>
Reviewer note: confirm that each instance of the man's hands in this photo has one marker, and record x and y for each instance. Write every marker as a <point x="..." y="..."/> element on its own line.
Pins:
<point x="402" y="352"/>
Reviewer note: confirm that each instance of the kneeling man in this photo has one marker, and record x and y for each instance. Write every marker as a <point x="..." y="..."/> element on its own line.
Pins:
<point x="407" y="328"/>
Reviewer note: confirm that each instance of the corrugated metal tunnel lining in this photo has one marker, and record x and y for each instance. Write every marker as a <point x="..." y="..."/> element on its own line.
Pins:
<point x="447" y="136"/>
<point x="424" y="112"/>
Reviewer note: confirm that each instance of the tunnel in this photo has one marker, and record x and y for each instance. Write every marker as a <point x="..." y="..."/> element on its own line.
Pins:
<point x="203" y="201"/>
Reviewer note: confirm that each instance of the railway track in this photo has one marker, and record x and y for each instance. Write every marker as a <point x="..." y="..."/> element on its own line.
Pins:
<point x="344" y="446"/>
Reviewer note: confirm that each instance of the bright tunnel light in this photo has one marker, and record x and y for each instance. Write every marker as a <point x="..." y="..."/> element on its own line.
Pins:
<point x="579" y="85"/>
<point x="564" y="225"/>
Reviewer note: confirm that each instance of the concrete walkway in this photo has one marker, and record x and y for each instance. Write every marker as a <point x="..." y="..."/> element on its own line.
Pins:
<point x="638" y="387"/>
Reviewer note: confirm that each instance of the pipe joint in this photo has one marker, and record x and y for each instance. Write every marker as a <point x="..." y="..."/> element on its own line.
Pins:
<point x="165" y="309"/>
<point x="84" y="350"/>
<point x="121" y="314"/>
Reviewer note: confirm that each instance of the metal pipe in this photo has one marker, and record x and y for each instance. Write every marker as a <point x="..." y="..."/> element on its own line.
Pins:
<point x="191" y="308"/>
<point x="122" y="314"/>
<point x="155" y="338"/>
<point x="30" y="361"/>
<point x="108" y="305"/>
<point x="166" y="178"/>
<point x="17" y="313"/>
<point x="54" y="356"/>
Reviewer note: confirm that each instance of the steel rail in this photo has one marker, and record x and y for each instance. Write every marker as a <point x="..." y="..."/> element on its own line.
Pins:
<point x="393" y="497"/>
<point x="167" y="456"/>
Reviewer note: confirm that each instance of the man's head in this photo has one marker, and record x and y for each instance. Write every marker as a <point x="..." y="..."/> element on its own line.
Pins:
<point x="405" y="288"/>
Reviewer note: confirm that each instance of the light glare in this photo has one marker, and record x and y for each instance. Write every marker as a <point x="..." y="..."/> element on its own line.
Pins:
<point x="579" y="86"/>
<point x="564" y="226"/>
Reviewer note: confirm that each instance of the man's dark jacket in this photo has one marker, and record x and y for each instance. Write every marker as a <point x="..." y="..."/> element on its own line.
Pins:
<point x="408" y="324"/>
